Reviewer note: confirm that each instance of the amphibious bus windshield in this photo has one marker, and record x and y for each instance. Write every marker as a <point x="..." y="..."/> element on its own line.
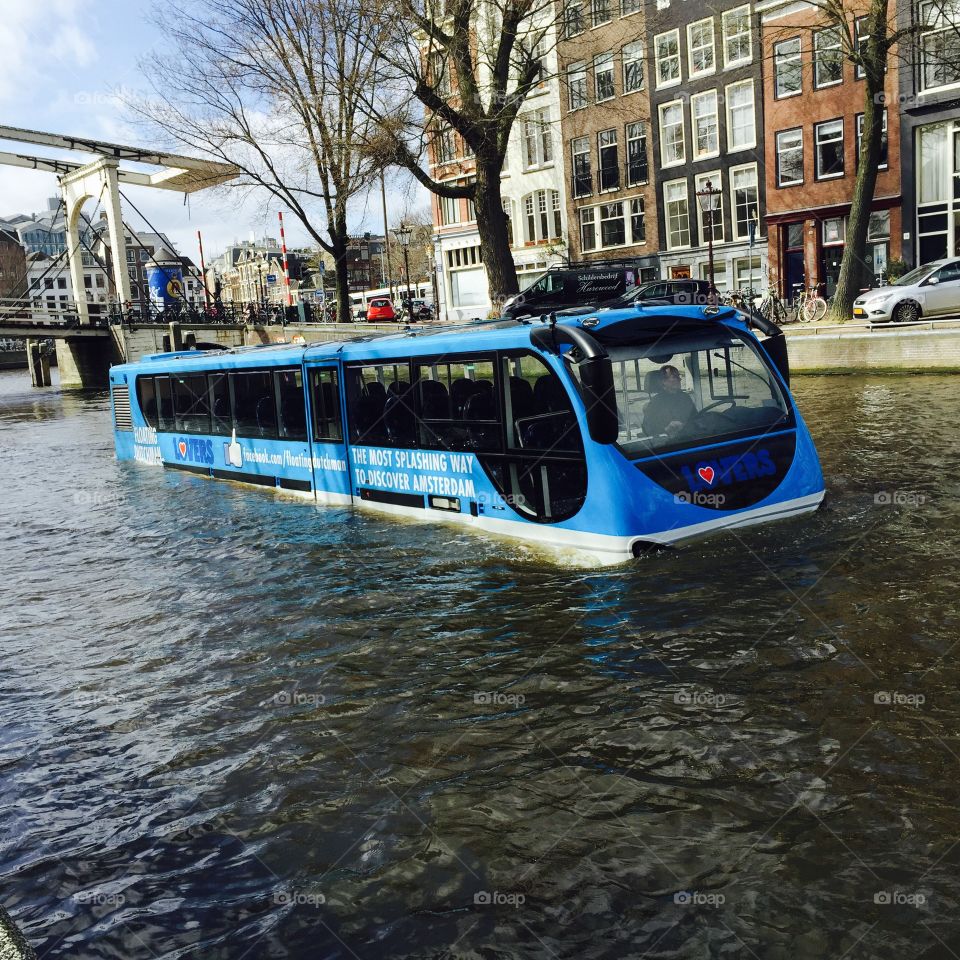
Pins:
<point x="682" y="392"/>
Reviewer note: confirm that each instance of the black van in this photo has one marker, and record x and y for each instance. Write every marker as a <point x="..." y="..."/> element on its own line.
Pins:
<point x="573" y="285"/>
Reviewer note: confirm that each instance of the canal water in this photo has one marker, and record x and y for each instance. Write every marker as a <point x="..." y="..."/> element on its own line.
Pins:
<point x="236" y="726"/>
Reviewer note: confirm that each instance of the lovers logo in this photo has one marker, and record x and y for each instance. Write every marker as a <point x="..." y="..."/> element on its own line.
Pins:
<point x="726" y="471"/>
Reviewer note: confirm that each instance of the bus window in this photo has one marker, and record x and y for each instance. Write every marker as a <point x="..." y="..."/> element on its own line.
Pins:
<point x="380" y="405"/>
<point x="254" y="404"/>
<point x="539" y="412"/>
<point x="221" y="415"/>
<point x="458" y="410"/>
<point x="147" y="400"/>
<point x="325" y="404"/>
<point x="190" y="404"/>
<point x="293" y="413"/>
<point x="165" y="405"/>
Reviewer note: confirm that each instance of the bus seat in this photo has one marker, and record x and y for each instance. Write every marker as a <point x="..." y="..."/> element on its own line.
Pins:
<point x="481" y="407"/>
<point x="398" y="419"/>
<point x="549" y="395"/>
<point x="375" y="390"/>
<point x="266" y="411"/>
<point x="521" y="398"/>
<point x="434" y="401"/>
<point x="461" y="390"/>
<point x="398" y="387"/>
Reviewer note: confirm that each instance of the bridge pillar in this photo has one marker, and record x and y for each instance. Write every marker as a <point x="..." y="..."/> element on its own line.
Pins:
<point x="39" y="364"/>
<point x="84" y="362"/>
<point x="98" y="179"/>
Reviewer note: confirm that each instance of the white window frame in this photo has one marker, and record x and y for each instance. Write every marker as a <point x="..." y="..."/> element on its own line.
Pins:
<point x="858" y="136"/>
<point x="733" y="171"/>
<point x="778" y="151"/>
<point x="663" y="140"/>
<point x="731" y="147"/>
<point x="726" y="37"/>
<point x="577" y="72"/>
<point x="595" y="6"/>
<point x="537" y="140"/>
<point x="816" y="149"/>
<point x="603" y="63"/>
<point x="818" y="49"/>
<point x="939" y="25"/>
<point x="665" y="36"/>
<point x="779" y="58"/>
<point x="699" y="183"/>
<point x="587" y="217"/>
<point x="695" y="101"/>
<point x="666" y="212"/>
<point x="633" y="53"/>
<point x="634" y="202"/>
<point x="637" y="125"/>
<point x="706" y="71"/>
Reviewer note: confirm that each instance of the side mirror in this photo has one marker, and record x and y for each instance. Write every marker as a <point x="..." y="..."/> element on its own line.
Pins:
<point x="933" y="281"/>
<point x="600" y="399"/>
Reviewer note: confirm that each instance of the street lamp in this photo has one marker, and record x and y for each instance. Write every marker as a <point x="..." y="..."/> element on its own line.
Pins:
<point x="709" y="200"/>
<point x="402" y="234"/>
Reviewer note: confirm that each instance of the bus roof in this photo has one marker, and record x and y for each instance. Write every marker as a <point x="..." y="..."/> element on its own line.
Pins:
<point x="421" y="340"/>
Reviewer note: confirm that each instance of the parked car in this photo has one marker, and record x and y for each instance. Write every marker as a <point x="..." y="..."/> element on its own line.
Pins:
<point x="931" y="290"/>
<point x="680" y="292"/>
<point x="574" y="285"/>
<point x="380" y="308"/>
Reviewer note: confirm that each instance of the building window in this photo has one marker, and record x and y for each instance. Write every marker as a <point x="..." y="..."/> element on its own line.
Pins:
<point x="701" y="57"/>
<point x="677" y="213"/>
<point x="743" y="189"/>
<point x="577" y="85"/>
<point x="629" y="6"/>
<point x="588" y="230"/>
<point x="939" y="44"/>
<point x="557" y="214"/>
<point x="449" y="210"/>
<point x="542" y="216"/>
<point x="612" y="231"/>
<point x="789" y="157"/>
<point x="444" y="144"/>
<point x="706" y="127"/>
<point x="573" y="18"/>
<point x="737" y="43"/>
<point x="537" y="143"/>
<point x="748" y="273"/>
<point x="609" y="161"/>
<point x="834" y="231"/>
<point x="860" y="37"/>
<point x="632" y="67"/>
<point x="603" y="77"/>
<point x="601" y="12"/>
<point x="638" y="226"/>
<point x="828" y="148"/>
<point x="741" y="122"/>
<point x="672" y="148"/>
<point x="827" y="58"/>
<point x="882" y="162"/>
<point x="788" y="77"/>
<point x="580" y="156"/>
<point x="667" y="48"/>
<point x="637" y="168"/>
<point x="440" y="74"/>
<point x="700" y="183"/>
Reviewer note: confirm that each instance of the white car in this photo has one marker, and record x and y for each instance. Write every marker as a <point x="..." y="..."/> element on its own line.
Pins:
<point x="930" y="290"/>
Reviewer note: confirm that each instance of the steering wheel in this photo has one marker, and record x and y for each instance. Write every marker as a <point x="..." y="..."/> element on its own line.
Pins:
<point x="716" y="403"/>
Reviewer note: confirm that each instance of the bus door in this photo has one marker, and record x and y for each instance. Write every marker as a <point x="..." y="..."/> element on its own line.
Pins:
<point x="331" y="464"/>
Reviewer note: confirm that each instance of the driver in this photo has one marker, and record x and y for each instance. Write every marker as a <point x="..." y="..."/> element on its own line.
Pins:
<point x="669" y="408"/>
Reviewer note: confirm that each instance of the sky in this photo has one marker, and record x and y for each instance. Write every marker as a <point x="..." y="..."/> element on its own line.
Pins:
<point x="62" y="64"/>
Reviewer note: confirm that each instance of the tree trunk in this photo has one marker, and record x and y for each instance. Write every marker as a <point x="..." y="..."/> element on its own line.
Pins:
<point x="494" y="241"/>
<point x="854" y="269"/>
<point x="338" y="241"/>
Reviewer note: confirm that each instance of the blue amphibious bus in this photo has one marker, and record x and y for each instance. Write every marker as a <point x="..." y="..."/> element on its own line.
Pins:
<point x="607" y="434"/>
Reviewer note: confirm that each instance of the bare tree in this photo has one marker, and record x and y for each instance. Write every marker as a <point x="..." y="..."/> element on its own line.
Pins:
<point x="471" y="64"/>
<point x="273" y="87"/>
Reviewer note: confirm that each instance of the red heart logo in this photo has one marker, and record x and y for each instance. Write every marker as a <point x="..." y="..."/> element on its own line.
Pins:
<point x="182" y="447"/>
<point x="707" y="473"/>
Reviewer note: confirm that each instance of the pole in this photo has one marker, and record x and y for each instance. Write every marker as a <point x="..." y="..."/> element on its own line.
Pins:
<point x="286" y="269"/>
<point x="713" y="289"/>
<point x="203" y="273"/>
<point x="406" y="264"/>
<point x="386" y="234"/>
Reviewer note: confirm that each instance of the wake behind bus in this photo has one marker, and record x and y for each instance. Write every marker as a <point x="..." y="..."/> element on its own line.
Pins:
<point x="605" y="435"/>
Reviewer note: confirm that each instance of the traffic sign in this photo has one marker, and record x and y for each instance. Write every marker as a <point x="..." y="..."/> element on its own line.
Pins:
<point x="271" y="278"/>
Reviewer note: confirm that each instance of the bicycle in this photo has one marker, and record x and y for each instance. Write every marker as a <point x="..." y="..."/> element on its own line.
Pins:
<point x="810" y="305"/>
<point x="773" y="308"/>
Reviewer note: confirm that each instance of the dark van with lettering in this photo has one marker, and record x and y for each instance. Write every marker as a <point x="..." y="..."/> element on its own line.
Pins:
<point x="572" y="286"/>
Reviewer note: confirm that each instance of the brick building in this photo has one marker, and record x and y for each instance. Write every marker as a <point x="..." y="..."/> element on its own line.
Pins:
<point x="605" y="109"/>
<point x="812" y="120"/>
<point x="705" y="98"/>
